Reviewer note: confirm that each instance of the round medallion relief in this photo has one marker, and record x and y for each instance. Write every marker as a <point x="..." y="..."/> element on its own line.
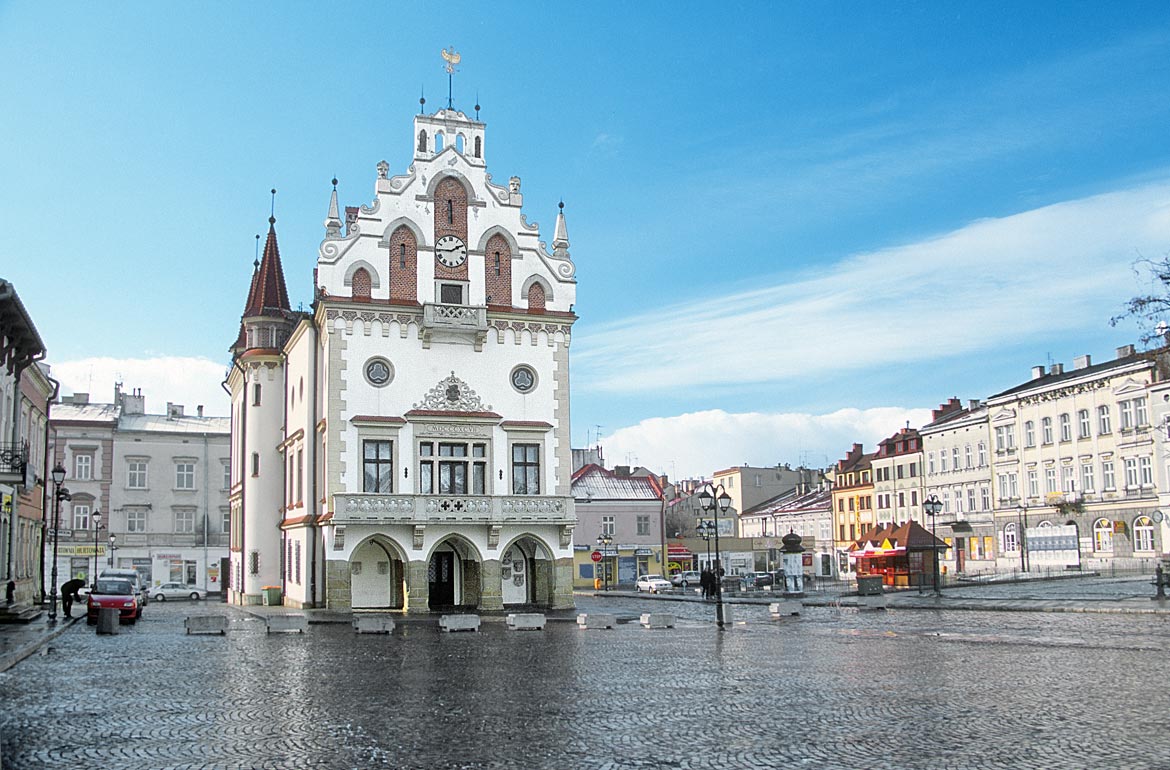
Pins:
<point x="523" y="378"/>
<point x="379" y="372"/>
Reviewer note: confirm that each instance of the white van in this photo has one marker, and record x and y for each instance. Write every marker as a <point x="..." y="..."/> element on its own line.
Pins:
<point x="132" y="575"/>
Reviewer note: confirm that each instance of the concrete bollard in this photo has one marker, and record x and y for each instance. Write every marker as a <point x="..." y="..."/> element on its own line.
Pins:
<point x="206" y="624"/>
<point x="588" y="620"/>
<point x="784" y="607"/>
<point x="293" y="621"/>
<point x="108" y="620"/>
<point x="657" y="620"/>
<point x="459" y="623"/>
<point x="526" y="621"/>
<point x="373" y="624"/>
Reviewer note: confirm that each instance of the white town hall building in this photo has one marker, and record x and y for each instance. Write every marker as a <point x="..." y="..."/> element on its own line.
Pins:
<point x="405" y="445"/>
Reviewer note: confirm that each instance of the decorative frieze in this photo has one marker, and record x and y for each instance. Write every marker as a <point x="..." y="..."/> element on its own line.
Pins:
<point x="1066" y="392"/>
<point x="423" y="509"/>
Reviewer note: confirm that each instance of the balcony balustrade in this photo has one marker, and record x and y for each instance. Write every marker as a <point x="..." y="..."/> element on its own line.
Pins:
<point x="471" y="509"/>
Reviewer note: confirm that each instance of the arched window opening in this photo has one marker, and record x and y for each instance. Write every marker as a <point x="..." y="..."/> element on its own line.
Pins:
<point x="361" y="283"/>
<point x="1011" y="540"/>
<point x="450" y="212"/>
<point x="402" y="256"/>
<point x="459" y="143"/>
<point x="536" y="297"/>
<point x="422" y="141"/>
<point x="1102" y="535"/>
<point x="438" y="142"/>
<point x="497" y="265"/>
<point x="1143" y="534"/>
<point x="478" y="146"/>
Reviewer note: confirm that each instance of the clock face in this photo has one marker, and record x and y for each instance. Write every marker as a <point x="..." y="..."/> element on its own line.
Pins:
<point x="450" y="251"/>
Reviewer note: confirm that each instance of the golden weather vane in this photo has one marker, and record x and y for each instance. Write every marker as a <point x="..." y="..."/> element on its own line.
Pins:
<point x="452" y="58"/>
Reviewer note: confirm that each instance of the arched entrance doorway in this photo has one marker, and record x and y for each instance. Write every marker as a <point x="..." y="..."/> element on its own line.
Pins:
<point x="453" y="575"/>
<point x="526" y="572"/>
<point x="377" y="576"/>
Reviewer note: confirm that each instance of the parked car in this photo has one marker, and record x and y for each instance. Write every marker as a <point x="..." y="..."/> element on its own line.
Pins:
<point x="651" y="583"/>
<point x="686" y="579"/>
<point x="176" y="591"/>
<point x="757" y="580"/>
<point x="131" y="575"/>
<point x="113" y="593"/>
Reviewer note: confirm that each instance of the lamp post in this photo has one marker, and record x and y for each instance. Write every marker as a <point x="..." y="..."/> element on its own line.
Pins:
<point x="97" y="525"/>
<point x="705" y="529"/>
<point x="933" y="507"/>
<point x="1022" y="513"/>
<point x="604" y="540"/>
<point x="113" y="548"/>
<point x="715" y="504"/>
<point x="58" y="474"/>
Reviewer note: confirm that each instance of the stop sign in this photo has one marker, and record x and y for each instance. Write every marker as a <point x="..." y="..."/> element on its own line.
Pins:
<point x="596" y="556"/>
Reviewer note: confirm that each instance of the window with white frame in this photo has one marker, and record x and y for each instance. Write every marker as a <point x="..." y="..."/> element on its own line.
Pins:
<point x="1140" y="416"/>
<point x="1029" y="434"/>
<point x="1145" y="472"/>
<point x="1131" y="473"/>
<point x="985" y="498"/>
<point x="526" y="469"/>
<point x="136" y="474"/>
<point x="943" y="462"/>
<point x="1003" y="486"/>
<point x="83" y="467"/>
<point x="1067" y="479"/>
<point x="1033" y="484"/>
<point x="930" y="462"/>
<point x="185" y="521"/>
<point x="226" y="520"/>
<point x="1143" y="534"/>
<point x="1046" y="430"/>
<point x="1014" y="485"/>
<point x="452" y="468"/>
<point x="982" y="454"/>
<point x="970" y="498"/>
<point x="1126" y="415"/>
<point x="1102" y="535"/>
<point x="184" y="475"/>
<point x="377" y="466"/>
<point x="1011" y="540"/>
<point x="1087" y="483"/>
<point x="1050" y="480"/>
<point x="955" y="458"/>
<point x="135" y="519"/>
<point x="1084" y="429"/>
<point x="966" y="456"/>
<point x="1103" y="422"/>
<point x="643" y="525"/>
<point x="1108" y="481"/>
<point x="607" y="526"/>
<point x="1065" y="427"/>
<point x="81" y="515"/>
<point x="227" y="475"/>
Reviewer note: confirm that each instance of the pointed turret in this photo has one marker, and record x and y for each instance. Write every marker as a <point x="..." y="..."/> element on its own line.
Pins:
<point x="333" y="219"/>
<point x="561" y="234"/>
<point x="267" y="299"/>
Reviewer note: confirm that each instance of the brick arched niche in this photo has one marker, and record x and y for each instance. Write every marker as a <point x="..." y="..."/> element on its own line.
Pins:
<point x="450" y="211"/>
<point x="361" y="283"/>
<point x="497" y="258"/>
<point x="403" y="265"/>
<point x="536" y="297"/>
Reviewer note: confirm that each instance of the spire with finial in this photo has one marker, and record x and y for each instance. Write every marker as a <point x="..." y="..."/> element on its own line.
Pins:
<point x="422" y="100"/>
<point x="477" y="105"/>
<point x="561" y="234"/>
<point x="333" y="219"/>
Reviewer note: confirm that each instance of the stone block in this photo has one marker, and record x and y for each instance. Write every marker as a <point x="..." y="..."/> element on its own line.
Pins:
<point x="657" y="620"/>
<point x="596" y="620"/>
<point x="526" y="621"/>
<point x="289" y="621"/>
<point x="872" y="602"/>
<point x="459" y="622"/>
<point x="784" y="608"/>
<point x="206" y="624"/>
<point x="373" y="624"/>
<point x="108" y="620"/>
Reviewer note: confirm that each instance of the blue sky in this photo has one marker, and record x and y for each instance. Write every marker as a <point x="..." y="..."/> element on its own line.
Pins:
<point x="795" y="225"/>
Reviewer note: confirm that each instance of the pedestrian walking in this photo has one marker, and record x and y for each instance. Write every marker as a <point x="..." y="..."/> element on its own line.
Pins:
<point x="69" y="594"/>
<point x="705" y="583"/>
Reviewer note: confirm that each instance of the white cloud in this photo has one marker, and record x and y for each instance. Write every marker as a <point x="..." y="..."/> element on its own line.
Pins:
<point x="1056" y="269"/>
<point x="699" y="443"/>
<point x="179" y="380"/>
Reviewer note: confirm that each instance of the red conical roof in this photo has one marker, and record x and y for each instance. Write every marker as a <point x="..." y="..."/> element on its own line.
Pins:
<point x="268" y="295"/>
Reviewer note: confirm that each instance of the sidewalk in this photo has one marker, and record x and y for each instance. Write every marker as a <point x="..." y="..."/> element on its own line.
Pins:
<point x="19" y="640"/>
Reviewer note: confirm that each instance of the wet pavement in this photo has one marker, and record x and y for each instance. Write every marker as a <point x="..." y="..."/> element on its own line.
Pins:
<point x="837" y="687"/>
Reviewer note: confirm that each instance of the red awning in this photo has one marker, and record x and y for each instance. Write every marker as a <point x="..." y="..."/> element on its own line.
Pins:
<point x="678" y="551"/>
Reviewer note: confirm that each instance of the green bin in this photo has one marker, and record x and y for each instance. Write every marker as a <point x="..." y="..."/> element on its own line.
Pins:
<point x="869" y="585"/>
<point x="271" y="596"/>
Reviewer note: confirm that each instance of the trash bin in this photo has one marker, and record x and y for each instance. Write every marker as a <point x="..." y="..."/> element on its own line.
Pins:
<point x="108" y="620"/>
<point x="596" y="584"/>
<point x="271" y="596"/>
<point x="869" y="585"/>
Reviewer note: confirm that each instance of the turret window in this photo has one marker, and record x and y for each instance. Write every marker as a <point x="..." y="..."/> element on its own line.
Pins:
<point x="422" y="141"/>
<point x="478" y="146"/>
<point x="256" y="394"/>
<point x="450" y="212"/>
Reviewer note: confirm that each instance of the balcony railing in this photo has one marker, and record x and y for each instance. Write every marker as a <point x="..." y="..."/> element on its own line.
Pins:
<point x="13" y="459"/>
<point x="458" y="321"/>
<point x="474" y="509"/>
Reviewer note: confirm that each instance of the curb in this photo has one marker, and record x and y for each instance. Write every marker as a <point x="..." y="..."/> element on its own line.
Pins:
<point x="10" y="659"/>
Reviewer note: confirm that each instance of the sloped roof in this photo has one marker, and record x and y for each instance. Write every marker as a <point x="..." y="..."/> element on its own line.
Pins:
<point x="596" y="483"/>
<point x="793" y="502"/>
<point x="84" y="413"/>
<point x="267" y="295"/>
<point x="1051" y="379"/>
<point x="160" y="423"/>
<point x="910" y="536"/>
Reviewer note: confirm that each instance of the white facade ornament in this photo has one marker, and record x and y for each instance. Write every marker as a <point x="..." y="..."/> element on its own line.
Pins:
<point x="383" y="169"/>
<point x="452" y="394"/>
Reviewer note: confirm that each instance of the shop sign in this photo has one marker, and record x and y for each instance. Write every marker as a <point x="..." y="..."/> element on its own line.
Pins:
<point x="169" y="556"/>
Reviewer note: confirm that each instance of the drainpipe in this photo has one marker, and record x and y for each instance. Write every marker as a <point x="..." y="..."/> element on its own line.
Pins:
<point x="284" y="479"/>
<point x="13" y="529"/>
<point x="206" y="510"/>
<point x="44" y="482"/>
<point x="243" y="465"/>
<point x="311" y="464"/>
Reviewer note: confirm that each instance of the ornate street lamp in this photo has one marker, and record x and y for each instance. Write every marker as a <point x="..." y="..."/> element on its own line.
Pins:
<point x="59" y="494"/>
<point x="706" y="529"/>
<point x="933" y="507"/>
<point x="604" y="540"/>
<point x="1022" y="513"/>
<point x="97" y="525"/>
<point x="715" y="504"/>
<point x="113" y="548"/>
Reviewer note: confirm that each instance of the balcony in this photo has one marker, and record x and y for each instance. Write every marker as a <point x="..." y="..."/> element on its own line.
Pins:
<point x="13" y="460"/>
<point x="454" y="323"/>
<point x="420" y="510"/>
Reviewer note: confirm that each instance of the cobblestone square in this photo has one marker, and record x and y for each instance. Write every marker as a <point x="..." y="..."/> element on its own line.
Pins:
<point x="834" y="688"/>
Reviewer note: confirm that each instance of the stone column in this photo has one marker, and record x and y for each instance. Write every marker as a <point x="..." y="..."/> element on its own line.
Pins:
<point x="471" y="583"/>
<point x="337" y="593"/>
<point x="491" y="597"/>
<point x="417" y="590"/>
<point x="562" y="589"/>
<point x="542" y="581"/>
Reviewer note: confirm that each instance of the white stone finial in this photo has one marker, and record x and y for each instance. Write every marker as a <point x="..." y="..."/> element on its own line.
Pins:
<point x="333" y="220"/>
<point x="561" y="234"/>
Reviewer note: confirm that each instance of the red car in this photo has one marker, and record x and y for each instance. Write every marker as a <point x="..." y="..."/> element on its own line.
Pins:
<point x="110" y="593"/>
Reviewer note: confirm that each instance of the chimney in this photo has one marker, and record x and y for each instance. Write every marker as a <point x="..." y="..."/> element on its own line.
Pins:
<point x="133" y="403"/>
<point x="1125" y="351"/>
<point x="1082" y="362"/>
<point x="80" y="398"/>
<point x="174" y="411"/>
<point x="199" y="410"/>
<point x="1037" y="372"/>
<point x="972" y="404"/>
<point x="952" y="405"/>
<point x="1056" y="369"/>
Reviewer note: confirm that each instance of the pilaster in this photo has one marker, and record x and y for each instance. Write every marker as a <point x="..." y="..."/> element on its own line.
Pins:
<point x="491" y="596"/>
<point x="417" y="590"/>
<point x="562" y="595"/>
